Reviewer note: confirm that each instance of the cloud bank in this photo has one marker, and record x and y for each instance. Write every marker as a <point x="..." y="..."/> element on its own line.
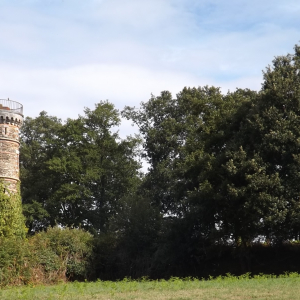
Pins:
<point x="63" y="55"/>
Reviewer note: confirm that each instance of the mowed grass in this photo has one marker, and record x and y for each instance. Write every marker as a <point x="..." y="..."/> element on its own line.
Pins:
<point x="261" y="287"/>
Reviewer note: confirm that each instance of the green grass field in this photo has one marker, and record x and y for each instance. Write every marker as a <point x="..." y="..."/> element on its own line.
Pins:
<point x="284" y="287"/>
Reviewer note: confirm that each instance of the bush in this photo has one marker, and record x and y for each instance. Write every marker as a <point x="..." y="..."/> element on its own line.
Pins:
<point x="47" y="257"/>
<point x="74" y="247"/>
<point x="15" y="261"/>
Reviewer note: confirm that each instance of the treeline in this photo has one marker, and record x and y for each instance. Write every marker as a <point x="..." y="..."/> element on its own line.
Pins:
<point x="224" y="174"/>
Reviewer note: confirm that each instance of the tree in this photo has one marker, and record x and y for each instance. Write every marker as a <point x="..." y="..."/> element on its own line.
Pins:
<point x="185" y="142"/>
<point x="231" y="160"/>
<point x="39" y="139"/>
<point x="273" y="131"/>
<point x="87" y="169"/>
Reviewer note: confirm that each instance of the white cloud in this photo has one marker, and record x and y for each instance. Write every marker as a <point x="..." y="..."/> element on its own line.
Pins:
<point x="64" y="92"/>
<point x="60" y="56"/>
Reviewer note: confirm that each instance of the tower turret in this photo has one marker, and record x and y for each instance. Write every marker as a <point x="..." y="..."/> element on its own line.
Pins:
<point x="11" y="119"/>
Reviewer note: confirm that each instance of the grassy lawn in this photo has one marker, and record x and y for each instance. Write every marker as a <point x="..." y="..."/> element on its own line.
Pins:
<point x="175" y="289"/>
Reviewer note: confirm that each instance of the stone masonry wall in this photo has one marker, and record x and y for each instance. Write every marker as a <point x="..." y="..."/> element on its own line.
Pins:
<point x="9" y="154"/>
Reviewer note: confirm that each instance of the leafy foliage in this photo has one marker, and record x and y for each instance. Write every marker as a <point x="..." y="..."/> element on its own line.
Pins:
<point x="74" y="174"/>
<point x="67" y="249"/>
<point x="232" y="160"/>
<point x="223" y="172"/>
<point x="48" y="257"/>
<point x="11" y="217"/>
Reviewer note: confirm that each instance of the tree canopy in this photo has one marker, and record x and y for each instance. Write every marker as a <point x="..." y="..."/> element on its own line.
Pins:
<point x="224" y="169"/>
<point x="74" y="174"/>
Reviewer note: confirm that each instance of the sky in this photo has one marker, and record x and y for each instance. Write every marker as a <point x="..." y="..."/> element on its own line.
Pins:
<point x="63" y="55"/>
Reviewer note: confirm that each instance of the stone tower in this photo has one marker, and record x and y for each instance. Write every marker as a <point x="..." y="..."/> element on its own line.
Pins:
<point x="11" y="119"/>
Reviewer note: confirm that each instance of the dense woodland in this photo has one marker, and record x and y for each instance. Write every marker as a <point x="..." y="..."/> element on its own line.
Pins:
<point x="221" y="193"/>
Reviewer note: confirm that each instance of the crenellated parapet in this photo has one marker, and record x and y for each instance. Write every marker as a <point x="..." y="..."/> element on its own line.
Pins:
<point x="10" y="118"/>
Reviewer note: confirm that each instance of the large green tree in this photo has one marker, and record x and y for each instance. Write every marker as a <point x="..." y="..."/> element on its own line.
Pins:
<point x="273" y="132"/>
<point x="75" y="173"/>
<point x="203" y="170"/>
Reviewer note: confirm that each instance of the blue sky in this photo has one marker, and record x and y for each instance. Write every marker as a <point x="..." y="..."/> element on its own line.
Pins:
<point x="64" y="55"/>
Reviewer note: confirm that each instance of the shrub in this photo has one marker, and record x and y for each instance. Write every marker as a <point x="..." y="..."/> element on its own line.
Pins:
<point x="12" y="222"/>
<point x="15" y="261"/>
<point x="47" y="257"/>
<point x="74" y="247"/>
